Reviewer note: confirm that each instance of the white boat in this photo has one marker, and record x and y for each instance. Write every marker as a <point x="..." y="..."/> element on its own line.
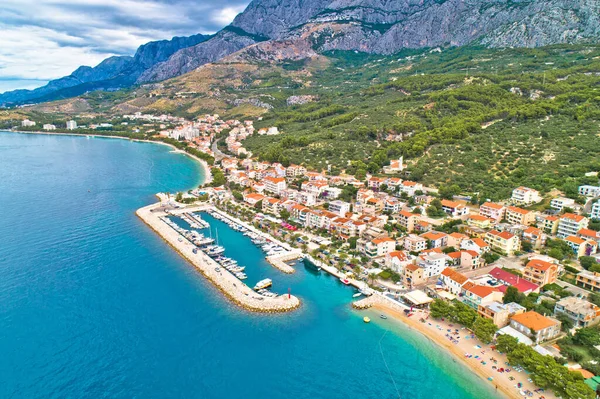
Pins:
<point x="357" y="295"/>
<point x="266" y="283"/>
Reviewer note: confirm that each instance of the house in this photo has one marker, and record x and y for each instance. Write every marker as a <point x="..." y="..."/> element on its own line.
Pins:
<point x="407" y="220"/>
<point x="581" y="312"/>
<point x="540" y="272"/>
<point x="413" y="276"/>
<point x="307" y="199"/>
<point x="274" y="185"/>
<point x="392" y="205"/>
<point x="475" y="244"/>
<point x="492" y="210"/>
<point x="295" y="171"/>
<point x="525" y="196"/>
<point x="589" y="191"/>
<point x="537" y="327"/>
<point x="471" y="259"/>
<point x="475" y="295"/>
<point x="515" y="215"/>
<point x="272" y="205"/>
<point x="454" y="209"/>
<point x="453" y="280"/>
<point x="414" y="243"/>
<point x="316" y="187"/>
<point x="455" y="239"/>
<point x="432" y="263"/>
<point x="398" y="260"/>
<point x="549" y="224"/>
<point x="396" y="166"/>
<point x="503" y="242"/>
<point x="561" y="202"/>
<point x="588" y="234"/>
<point x="588" y="280"/>
<point x="339" y="207"/>
<point x="374" y="182"/>
<point x="379" y="247"/>
<point x="508" y="279"/>
<point x="253" y="198"/>
<point x="436" y="239"/>
<point x="480" y="221"/>
<point x="410" y="188"/>
<point x="595" y="213"/>
<point x="580" y="246"/>
<point x="569" y="224"/>
<point x="534" y="236"/>
<point x="500" y="313"/>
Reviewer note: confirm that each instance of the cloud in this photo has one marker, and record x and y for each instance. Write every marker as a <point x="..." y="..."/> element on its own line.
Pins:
<point x="47" y="39"/>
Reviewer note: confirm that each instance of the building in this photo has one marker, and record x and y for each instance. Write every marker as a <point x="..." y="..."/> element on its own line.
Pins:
<point x="307" y="199"/>
<point x="534" y="236"/>
<point x="595" y="213"/>
<point x="275" y="185"/>
<point x="581" y="247"/>
<point x="48" y="126"/>
<point x="339" y="207"/>
<point x="589" y="191"/>
<point x="580" y="311"/>
<point x="407" y="220"/>
<point x="500" y="313"/>
<point x="454" y="209"/>
<point x="398" y="260"/>
<point x="516" y="215"/>
<point x="569" y="224"/>
<point x="414" y="243"/>
<point x="436" y="239"/>
<point x="27" y="123"/>
<point x="503" y="242"/>
<point x="410" y="188"/>
<point x="540" y="272"/>
<point x="492" y="210"/>
<point x="589" y="280"/>
<point x="549" y="224"/>
<point x="537" y="327"/>
<point x="71" y="125"/>
<point x="561" y="202"/>
<point x="453" y="280"/>
<point x="432" y="263"/>
<point x="508" y="279"/>
<point x="480" y="221"/>
<point x="413" y="276"/>
<point x="379" y="247"/>
<point x="475" y="295"/>
<point x="525" y="196"/>
<point x="396" y="166"/>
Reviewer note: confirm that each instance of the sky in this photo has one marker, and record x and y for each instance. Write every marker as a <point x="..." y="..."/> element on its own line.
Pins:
<point x="41" y="40"/>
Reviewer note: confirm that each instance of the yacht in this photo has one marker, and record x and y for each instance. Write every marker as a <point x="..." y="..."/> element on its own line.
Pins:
<point x="263" y="284"/>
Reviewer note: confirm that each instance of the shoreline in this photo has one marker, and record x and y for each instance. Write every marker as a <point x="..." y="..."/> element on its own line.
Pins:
<point x="203" y="164"/>
<point x="433" y="334"/>
<point x="232" y="288"/>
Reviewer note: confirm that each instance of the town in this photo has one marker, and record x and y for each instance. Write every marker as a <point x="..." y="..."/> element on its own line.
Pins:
<point x="529" y="264"/>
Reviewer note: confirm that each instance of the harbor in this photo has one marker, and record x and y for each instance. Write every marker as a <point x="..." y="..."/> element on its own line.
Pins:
<point x="201" y="251"/>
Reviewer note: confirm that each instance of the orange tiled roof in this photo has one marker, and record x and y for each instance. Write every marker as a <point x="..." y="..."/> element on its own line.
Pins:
<point x="572" y="216"/>
<point x="533" y="320"/>
<point x="517" y="210"/>
<point x="540" y="265"/>
<point x="455" y="276"/>
<point x="492" y="205"/>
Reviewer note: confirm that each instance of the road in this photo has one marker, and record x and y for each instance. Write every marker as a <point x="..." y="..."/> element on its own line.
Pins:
<point x="218" y="154"/>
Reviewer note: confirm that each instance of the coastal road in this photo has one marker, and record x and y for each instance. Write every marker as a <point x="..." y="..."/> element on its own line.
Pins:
<point x="218" y="153"/>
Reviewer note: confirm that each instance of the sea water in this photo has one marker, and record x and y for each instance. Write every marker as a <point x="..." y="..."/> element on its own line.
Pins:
<point x="94" y="304"/>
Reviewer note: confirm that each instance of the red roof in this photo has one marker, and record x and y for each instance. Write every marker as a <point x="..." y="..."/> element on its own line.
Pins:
<point x="512" y="279"/>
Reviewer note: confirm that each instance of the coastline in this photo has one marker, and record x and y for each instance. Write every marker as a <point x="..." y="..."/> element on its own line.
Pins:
<point x="435" y="332"/>
<point x="205" y="167"/>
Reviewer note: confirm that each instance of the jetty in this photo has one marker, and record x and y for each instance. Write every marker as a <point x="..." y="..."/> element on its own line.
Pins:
<point x="226" y="282"/>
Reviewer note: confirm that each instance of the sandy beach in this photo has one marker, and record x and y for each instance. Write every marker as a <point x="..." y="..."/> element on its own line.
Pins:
<point x="479" y="357"/>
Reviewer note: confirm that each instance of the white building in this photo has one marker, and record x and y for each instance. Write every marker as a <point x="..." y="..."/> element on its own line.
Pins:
<point x="525" y="195"/>
<point x="48" y="126"/>
<point x="27" y="123"/>
<point x="71" y="125"/>
<point x="339" y="207"/>
<point x="560" y="202"/>
<point x="274" y="185"/>
<point x="569" y="224"/>
<point x="595" y="214"/>
<point x="589" y="191"/>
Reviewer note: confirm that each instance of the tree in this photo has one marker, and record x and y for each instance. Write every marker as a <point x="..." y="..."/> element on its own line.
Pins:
<point x="526" y="246"/>
<point x="566" y="322"/>
<point x="439" y="308"/>
<point x="284" y="214"/>
<point x="512" y="294"/>
<point x="587" y="262"/>
<point x="484" y="329"/>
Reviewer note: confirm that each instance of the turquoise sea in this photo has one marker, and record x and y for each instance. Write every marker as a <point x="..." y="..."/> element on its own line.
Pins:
<point x="93" y="304"/>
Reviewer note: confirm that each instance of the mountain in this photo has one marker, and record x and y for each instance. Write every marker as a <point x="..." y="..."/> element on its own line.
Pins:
<point x="387" y="26"/>
<point x="112" y="73"/>
<point x="275" y="30"/>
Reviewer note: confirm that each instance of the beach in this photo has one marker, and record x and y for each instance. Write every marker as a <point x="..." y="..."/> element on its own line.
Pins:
<point x="479" y="357"/>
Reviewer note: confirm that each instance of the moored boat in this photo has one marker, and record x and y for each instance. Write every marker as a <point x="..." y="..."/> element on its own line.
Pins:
<point x="266" y="283"/>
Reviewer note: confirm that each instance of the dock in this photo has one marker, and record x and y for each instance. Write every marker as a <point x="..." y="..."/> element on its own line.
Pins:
<point x="238" y="292"/>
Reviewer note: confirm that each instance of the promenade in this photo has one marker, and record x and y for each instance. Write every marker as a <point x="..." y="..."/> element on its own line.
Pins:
<point x="233" y="288"/>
